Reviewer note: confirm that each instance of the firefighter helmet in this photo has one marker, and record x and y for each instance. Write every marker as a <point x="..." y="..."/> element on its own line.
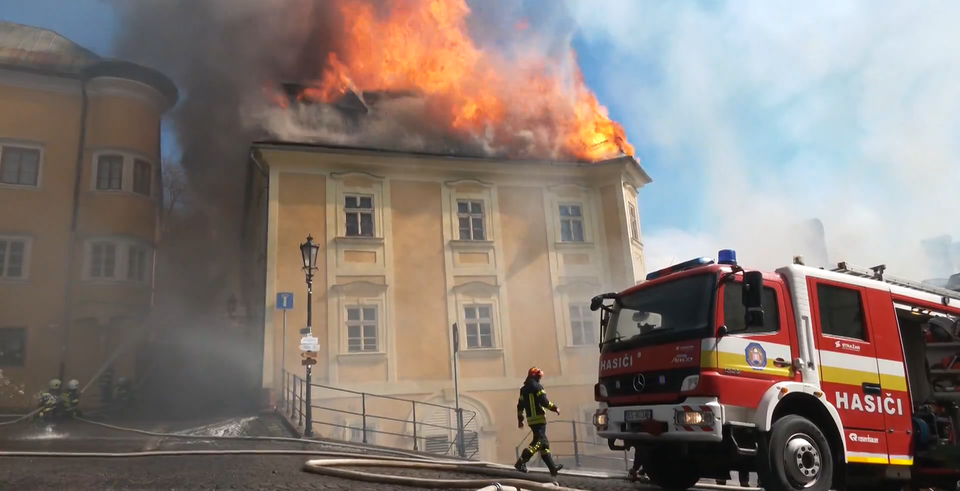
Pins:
<point x="73" y="385"/>
<point x="55" y="384"/>
<point x="535" y="372"/>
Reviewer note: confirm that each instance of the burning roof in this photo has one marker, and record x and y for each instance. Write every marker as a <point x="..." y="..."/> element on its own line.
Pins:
<point x="421" y="49"/>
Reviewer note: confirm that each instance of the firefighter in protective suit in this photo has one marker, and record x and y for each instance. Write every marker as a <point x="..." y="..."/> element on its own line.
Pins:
<point x="533" y="402"/>
<point x="50" y="402"/>
<point x="71" y="399"/>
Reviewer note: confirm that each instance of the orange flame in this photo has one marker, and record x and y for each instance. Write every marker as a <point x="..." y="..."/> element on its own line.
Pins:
<point x="423" y="45"/>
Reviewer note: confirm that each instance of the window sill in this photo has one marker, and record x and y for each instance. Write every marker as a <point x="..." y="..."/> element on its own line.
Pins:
<point x="121" y="192"/>
<point x="26" y="187"/>
<point x="471" y="245"/>
<point x="481" y="352"/>
<point x="95" y="282"/>
<point x="15" y="281"/>
<point x="574" y="245"/>
<point x="580" y="348"/>
<point x="358" y="240"/>
<point x="370" y="358"/>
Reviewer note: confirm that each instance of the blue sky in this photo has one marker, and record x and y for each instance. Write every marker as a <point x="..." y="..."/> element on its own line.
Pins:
<point x="750" y="117"/>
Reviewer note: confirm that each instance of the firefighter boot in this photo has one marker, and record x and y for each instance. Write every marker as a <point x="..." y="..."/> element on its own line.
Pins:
<point x="521" y="464"/>
<point x="551" y="465"/>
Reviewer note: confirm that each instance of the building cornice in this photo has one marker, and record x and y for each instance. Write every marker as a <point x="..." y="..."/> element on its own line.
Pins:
<point x="293" y="158"/>
<point x="96" y="87"/>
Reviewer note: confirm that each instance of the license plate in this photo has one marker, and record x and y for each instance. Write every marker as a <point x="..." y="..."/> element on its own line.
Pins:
<point x="638" y="415"/>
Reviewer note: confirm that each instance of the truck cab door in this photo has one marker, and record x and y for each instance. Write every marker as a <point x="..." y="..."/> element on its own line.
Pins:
<point x="849" y="373"/>
<point x="757" y="357"/>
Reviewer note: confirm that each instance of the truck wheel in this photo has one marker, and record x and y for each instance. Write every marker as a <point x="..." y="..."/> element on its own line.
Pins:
<point x="671" y="473"/>
<point x="795" y="457"/>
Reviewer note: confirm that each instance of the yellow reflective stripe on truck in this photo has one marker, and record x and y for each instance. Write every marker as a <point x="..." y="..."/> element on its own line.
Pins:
<point x="867" y="458"/>
<point x="848" y="369"/>
<point x="834" y="367"/>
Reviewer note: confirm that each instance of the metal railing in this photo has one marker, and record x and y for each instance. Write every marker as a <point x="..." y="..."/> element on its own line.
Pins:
<point x="377" y="413"/>
<point x="575" y="442"/>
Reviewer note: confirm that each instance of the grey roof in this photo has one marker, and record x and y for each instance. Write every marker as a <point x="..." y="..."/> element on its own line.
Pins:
<point x="33" y="47"/>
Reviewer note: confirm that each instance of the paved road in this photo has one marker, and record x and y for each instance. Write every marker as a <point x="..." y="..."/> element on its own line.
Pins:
<point x="231" y="472"/>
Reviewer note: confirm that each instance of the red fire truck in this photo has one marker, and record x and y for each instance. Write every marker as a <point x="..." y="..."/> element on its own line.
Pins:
<point x="815" y="379"/>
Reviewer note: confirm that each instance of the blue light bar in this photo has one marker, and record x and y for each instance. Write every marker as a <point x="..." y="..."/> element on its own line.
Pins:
<point x="693" y="263"/>
<point x="727" y="256"/>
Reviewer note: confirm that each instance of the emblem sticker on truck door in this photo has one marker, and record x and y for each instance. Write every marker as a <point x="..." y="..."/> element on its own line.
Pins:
<point x="756" y="356"/>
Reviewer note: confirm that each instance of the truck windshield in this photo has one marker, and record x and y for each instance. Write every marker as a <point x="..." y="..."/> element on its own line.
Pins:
<point x="681" y="305"/>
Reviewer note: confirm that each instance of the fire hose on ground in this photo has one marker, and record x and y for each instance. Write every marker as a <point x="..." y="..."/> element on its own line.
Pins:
<point x="20" y="418"/>
<point x="501" y="477"/>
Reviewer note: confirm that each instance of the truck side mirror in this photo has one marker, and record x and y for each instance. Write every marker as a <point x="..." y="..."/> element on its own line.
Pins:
<point x="753" y="298"/>
<point x="596" y="302"/>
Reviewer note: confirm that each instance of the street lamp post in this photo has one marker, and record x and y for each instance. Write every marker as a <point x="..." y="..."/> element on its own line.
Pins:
<point x="308" y="251"/>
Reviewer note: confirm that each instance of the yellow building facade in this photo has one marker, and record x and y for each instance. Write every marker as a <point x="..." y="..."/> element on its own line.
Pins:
<point x="510" y="252"/>
<point x="80" y="197"/>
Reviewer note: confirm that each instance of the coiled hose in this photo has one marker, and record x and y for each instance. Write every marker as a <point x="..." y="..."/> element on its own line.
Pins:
<point x="501" y="477"/>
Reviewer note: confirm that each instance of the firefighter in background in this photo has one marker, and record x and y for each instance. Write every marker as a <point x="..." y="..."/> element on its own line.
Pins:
<point x="533" y="401"/>
<point x="106" y="386"/>
<point x="50" y="401"/>
<point x="124" y="392"/>
<point x="70" y="400"/>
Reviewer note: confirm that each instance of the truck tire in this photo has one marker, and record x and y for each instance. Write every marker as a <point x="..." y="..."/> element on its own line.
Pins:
<point x="671" y="472"/>
<point x="796" y="456"/>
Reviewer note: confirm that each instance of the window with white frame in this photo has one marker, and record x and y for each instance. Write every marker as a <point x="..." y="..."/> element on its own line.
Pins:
<point x="437" y="444"/>
<point x="571" y="223"/>
<point x="362" y="329"/>
<point x="470" y="217"/>
<point x="142" y="177"/>
<point x="118" y="170"/>
<point x="583" y="331"/>
<point x="137" y="263"/>
<point x="110" y="172"/>
<point x="13" y="258"/>
<point x="103" y="260"/>
<point x="471" y="443"/>
<point x="358" y="215"/>
<point x="117" y="260"/>
<point x="634" y="222"/>
<point x="478" y="324"/>
<point x="19" y="166"/>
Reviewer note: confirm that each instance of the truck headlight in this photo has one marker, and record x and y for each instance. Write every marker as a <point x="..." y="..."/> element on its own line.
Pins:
<point x="600" y="419"/>
<point x="690" y="383"/>
<point x="695" y="418"/>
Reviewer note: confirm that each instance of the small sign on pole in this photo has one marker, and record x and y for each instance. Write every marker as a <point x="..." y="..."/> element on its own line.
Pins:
<point x="284" y="301"/>
<point x="309" y="343"/>
<point x="309" y="358"/>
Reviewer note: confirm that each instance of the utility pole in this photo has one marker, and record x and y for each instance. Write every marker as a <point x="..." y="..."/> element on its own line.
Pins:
<point x="461" y="449"/>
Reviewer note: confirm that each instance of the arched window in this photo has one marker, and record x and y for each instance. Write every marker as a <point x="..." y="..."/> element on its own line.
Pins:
<point x="437" y="431"/>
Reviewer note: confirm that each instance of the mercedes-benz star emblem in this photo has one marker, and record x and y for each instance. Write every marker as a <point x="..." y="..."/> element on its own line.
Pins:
<point x="639" y="383"/>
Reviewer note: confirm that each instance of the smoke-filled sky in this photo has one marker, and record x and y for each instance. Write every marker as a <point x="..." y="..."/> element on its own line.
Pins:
<point x="750" y="116"/>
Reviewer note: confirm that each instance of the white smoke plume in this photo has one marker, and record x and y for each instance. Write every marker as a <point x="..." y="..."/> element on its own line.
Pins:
<point x="848" y="112"/>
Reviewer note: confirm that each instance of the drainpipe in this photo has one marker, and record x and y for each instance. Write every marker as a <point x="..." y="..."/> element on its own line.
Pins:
<point x="158" y="226"/>
<point x="71" y="253"/>
<point x="263" y="243"/>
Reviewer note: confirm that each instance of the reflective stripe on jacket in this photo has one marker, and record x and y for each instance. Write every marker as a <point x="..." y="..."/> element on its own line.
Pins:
<point x="533" y="402"/>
